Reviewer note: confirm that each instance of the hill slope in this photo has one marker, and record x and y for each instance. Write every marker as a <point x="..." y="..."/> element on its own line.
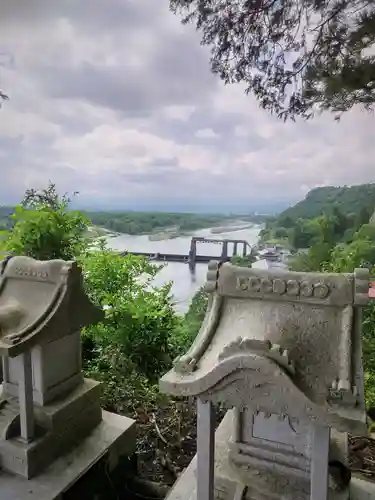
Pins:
<point x="321" y="200"/>
<point x="4" y="217"/>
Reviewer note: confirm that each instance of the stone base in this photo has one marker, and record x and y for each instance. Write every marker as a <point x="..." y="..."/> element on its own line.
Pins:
<point x="60" y="425"/>
<point x="112" y="438"/>
<point x="229" y="487"/>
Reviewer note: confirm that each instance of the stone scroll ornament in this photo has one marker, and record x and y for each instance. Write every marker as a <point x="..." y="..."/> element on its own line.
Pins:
<point x="34" y="299"/>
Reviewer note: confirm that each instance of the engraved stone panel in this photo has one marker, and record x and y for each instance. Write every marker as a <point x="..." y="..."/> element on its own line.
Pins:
<point x="280" y="429"/>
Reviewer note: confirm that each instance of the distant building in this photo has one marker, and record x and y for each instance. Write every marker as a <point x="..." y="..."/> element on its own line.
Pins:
<point x="270" y="264"/>
<point x="269" y="254"/>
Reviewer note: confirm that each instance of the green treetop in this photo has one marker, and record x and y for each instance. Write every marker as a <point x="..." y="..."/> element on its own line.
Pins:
<point x="295" y="56"/>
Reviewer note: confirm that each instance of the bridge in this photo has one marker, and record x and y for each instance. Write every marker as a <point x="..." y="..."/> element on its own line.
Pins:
<point x="192" y="258"/>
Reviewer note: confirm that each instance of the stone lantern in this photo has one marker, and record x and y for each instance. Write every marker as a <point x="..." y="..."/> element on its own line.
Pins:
<point x="46" y="405"/>
<point x="283" y="350"/>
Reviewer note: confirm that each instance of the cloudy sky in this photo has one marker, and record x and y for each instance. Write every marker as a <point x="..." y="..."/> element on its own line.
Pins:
<point x="114" y="99"/>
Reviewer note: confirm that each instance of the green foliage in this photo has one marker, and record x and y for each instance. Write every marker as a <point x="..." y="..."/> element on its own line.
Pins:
<point x="358" y="201"/>
<point x="45" y="233"/>
<point x="5" y="217"/>
<point x="368" y="336"/>
<point x="345" y="258"/>
<point x="366" y="232"/>
<point x="124" y="387"/>
<point x="44" y="228"/>
<point x="294" y="56"/>
<point x="190" y="324"/>
<point x="246" y="261"/>
<point x="139" y="318"/>
<point x="133" y="222"/>
<point x="131" y="348"/>
<point x="314" y="259"/>
<point x="149" y="222"/>
<point x="141" y="333"/>
<point x="3" y="97"/>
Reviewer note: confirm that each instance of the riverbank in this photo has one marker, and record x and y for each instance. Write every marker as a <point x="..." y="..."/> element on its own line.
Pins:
<point x="99" y="232"/>
<point x="136" y="223"/>
<point x="184" y="284"/>
<point x="169" y="233"/>
<point x="231" y="228"/>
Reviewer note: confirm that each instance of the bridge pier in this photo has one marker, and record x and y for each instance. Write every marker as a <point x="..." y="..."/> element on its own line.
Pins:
<point x="192" y="254"/>
<point x="244" y="249"/>
<point x="192" y="258"/>
<point x="224" y="252"/>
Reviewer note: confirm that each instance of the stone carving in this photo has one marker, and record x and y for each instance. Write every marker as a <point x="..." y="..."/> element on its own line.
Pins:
<point x="279" y="287"/>
<point x="277" y="343"/>
<point x="362" y="287"/>
<point x="340" y="394"/>
<point x="265" y="347"/>
<point x="43" y="306"/>
<point x="188" y="362"/>
<point x="34" y="299"/>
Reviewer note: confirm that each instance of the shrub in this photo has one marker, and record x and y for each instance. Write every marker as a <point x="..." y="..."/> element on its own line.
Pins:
<point x="139" y="318"/>
<point x="189" y="324"/>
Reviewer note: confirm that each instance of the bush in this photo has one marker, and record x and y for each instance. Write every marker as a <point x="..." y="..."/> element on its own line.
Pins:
<point x="139" y="318"/>
<point x="189" y="324"/>
<point x="44" y="228"/>
<point x="131" y="348"/>
<point x="368" y="336"/>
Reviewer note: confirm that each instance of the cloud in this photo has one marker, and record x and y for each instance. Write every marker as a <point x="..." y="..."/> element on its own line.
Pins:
<point x="116" y="100"/>
<point x="206" y="133"/>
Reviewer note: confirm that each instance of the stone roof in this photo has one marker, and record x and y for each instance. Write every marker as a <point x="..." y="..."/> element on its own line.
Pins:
<point x="283" y="333"/>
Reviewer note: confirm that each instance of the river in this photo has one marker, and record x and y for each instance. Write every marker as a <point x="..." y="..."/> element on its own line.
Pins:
<point x="185" y="285"/>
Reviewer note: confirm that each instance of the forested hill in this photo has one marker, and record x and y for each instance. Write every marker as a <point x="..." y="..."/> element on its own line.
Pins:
<point x="148" y="222"/>
<point x="4" y="216"/>
<point x="349" y="200"/>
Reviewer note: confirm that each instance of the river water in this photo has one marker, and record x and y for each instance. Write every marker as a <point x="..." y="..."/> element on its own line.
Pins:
<point x="185" y="285"/>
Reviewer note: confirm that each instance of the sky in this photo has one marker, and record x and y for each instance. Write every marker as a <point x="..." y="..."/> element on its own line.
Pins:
<point x="115" y="99"/>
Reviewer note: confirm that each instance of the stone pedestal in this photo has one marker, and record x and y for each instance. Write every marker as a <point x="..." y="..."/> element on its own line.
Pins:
<point x="228" y="483"/>
<point x="274" y="452"/>
<point x="59" y="427"/>
<point x="111" y="439"/>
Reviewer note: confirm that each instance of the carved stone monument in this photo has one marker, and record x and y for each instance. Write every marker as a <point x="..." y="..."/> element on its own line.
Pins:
<point x="46" y="407"/>
<point x="283" y="349"/>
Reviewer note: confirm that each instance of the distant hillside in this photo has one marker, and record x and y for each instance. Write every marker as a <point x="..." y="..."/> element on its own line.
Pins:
<point x="349" y="200"/>
<point x="4" y="217"/>
<point x="150" y="222"/>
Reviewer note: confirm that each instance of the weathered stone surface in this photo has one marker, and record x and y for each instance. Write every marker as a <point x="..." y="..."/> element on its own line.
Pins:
<point x="46" y="406"/>
<point x="284" y="350"/>
<point x="41" y="301"/>
<point x="112" y="439"/>
<point x="227" y="480"/>
<point x="310" y="338"/>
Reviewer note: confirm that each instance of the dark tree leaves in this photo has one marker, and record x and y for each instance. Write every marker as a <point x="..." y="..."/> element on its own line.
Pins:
<point x="296" y="56"/>
<point x="3" y="97"/>
<point x="48" y="197"/>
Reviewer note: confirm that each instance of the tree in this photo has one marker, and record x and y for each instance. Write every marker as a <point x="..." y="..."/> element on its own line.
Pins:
<point x="44" y="227"/>
<point x="295" y="56"/>
<point x="3" y="97"/>
<point x="139" y="318"/>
